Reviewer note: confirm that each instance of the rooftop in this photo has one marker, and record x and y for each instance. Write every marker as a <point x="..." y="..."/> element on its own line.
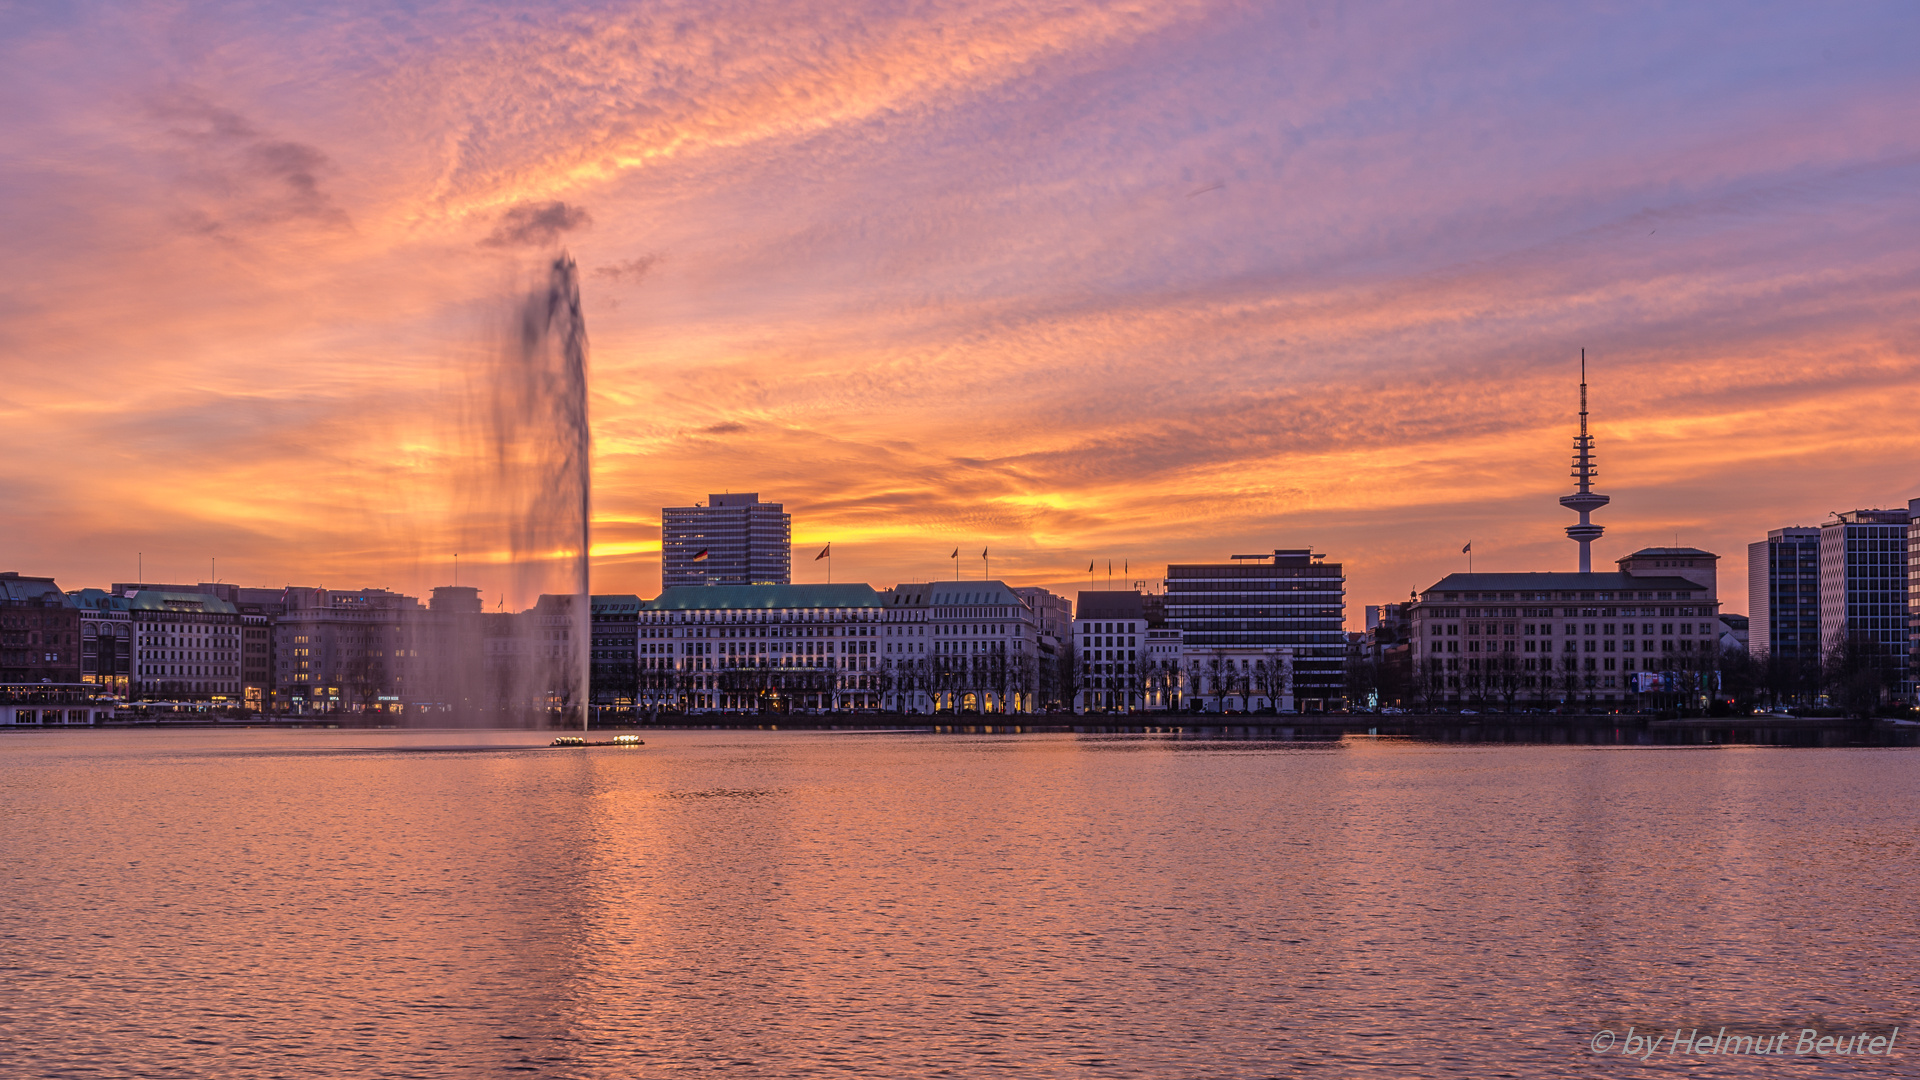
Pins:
<point x="1111" y="604"/>
<point x="1553" y="582"/>
<point x="763" y="597"/>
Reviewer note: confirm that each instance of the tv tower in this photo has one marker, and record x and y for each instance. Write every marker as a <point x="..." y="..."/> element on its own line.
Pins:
<point x="1584" y="501"/>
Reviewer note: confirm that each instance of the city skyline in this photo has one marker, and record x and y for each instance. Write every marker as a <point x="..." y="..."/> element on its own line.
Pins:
<point x="1156" y="285"/>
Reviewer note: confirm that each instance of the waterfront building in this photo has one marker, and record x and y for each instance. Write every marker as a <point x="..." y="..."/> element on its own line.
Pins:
<point x="728" y="540"/>
<point x="1286" y="610"/>
<point x="1109" y="633"/>
<point x="47" y="704"/>
<point x="186" y="645"/>
<point x="106" y="641"/>
<point x="1864" y="586"/>
<point x="1053" y="618"/>
<point x="1783" y="595"/>
<point x="983" y="647"/>
<point x="1913" y="601"/>
<point x="614" y="656"/>
<point x="906" y="644"/>
<point x="39" y="631"/>
<point x="346" y="650"/>
<point x="260" y="610"/>
<point x="764" y="647"/>
<point x="1382" y="658"/>
<point x="1598" y="640"/>
<point x="1163" y="667"/>
<point x="1242" y="678"/>
<point x="1557" y="638"/>
<point x="532" y="661"/>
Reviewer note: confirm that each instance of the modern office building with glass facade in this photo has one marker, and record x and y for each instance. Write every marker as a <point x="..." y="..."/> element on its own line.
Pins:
<point x="1291" y="599"/>
<point x="1783" y="594"/>
<point x="731" y="540"/>
<point x="1864" y="581"/>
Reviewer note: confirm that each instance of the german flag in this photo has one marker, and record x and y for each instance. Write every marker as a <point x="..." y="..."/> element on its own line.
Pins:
<point x="702" y="556"/>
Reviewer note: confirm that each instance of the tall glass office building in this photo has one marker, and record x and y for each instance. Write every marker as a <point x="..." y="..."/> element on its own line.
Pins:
<point x="1863" y="579"/>
<point x="1783" y="594"/>
<point x="732" y="540"/>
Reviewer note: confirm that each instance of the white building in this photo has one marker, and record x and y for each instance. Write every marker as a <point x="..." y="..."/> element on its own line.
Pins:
<point x="1109" y="641"/>
<point x="1238" y="678"/>
<point x="741" y="648"/>
<point x="186" y="646"/>
<point x="982" y="649"/>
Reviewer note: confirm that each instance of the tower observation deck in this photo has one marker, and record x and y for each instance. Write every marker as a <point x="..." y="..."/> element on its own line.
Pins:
<point x="1584" y="500"/>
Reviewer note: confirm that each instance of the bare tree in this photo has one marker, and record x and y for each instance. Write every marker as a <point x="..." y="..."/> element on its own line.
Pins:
<point x="1859" y="673"/>
<point x="1275" y="676"/>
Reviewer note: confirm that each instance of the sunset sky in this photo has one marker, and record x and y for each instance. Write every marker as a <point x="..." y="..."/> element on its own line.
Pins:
<point x="1143" y="281"/>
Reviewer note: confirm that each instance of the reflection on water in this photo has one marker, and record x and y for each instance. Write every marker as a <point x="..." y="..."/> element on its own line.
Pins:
<point x="323" y="903"/>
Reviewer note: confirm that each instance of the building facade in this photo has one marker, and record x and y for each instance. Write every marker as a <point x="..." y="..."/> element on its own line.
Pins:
<point x="906" y="648"/>
<point x="615" y="656"/>
<point x="1288" y="607"/>
<point x="186" y="646"/>
<point x="345" y="651"/>
<point x="983" y="650"/>
<point x="730" y="540"/>
<point x="106" y="641"/>
<point x="1913" y="602"/>
<point x="1110" y="641"/>
<point x="760" y="648"/>
<point x="1605" y="641"/>
<point x="39" y="704"/>
<point x="39" y="631"/>
<point x="1864" y="588"/>
<point x="1783" y="595"/>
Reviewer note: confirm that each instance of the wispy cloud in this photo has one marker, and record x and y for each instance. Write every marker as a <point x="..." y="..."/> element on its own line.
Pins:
<point x="1160" y="281"/>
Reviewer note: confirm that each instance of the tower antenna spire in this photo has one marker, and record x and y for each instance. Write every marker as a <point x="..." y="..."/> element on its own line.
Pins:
<point x="1584" y="500"/>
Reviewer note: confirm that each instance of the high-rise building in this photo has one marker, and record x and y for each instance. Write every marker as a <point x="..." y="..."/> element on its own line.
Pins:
<point x="1864" y="581"/>
<point x="1291" y="599"/>
<point x="1913" y="601"/>
<point x="1783" y="594"/>
<point x="731" y="540"/>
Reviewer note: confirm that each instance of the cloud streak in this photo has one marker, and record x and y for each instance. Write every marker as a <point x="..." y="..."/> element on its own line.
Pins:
<point x="1155" y="281"/>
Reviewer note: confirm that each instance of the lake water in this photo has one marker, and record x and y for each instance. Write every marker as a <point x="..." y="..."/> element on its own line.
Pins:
<point x="353" y="904"/>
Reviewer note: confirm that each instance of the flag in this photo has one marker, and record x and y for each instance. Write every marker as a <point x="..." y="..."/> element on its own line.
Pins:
<point x="1089" y="566"/>
<point x="983" y="553"/>
<point x="702" y="556"/>
<point x="955" y="555"/>
<point x="823" y="552"/>
<point x="1468" y="548"/>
